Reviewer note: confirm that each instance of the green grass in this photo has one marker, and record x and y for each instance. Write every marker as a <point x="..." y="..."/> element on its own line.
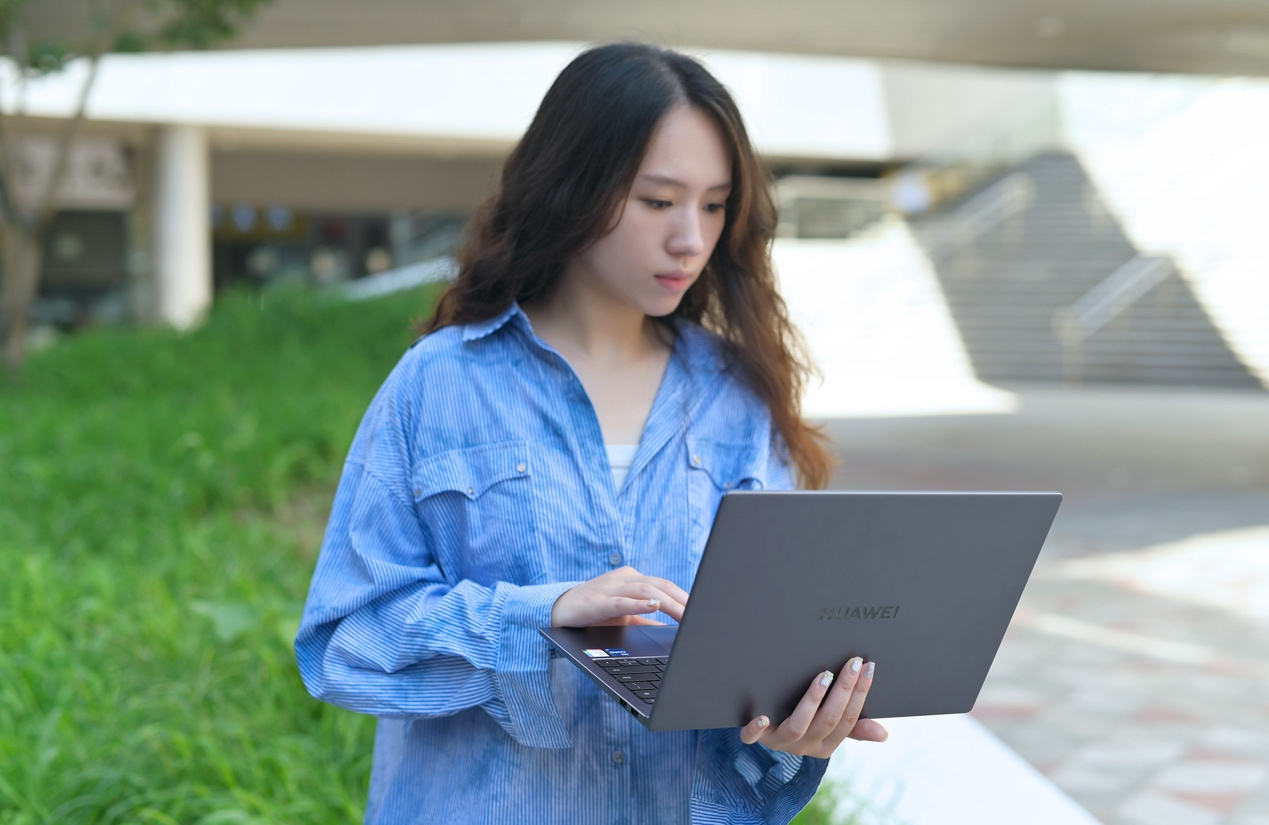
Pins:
<point x="161" y="502"/>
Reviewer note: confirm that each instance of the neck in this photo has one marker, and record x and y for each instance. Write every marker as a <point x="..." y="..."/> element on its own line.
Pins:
<point x="586" y="325"/>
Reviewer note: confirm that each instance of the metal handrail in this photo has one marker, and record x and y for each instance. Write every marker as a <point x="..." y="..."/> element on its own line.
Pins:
<point x="1103" y="303"/>
<point x="793" y="187"/>
<point x="865" y="201"/>
<point x="982" y="213"/>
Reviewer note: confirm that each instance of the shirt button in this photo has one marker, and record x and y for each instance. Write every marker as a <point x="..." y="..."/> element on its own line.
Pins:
<point x="417" y="492"/>
<point x="471" y="491"/>
<point x="521" y="467"/>
<point x="696" y="460"/>
<point x="615" y="559"/>
<point x="619" y="757"/>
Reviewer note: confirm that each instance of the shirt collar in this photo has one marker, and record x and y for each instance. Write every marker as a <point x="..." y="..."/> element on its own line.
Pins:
<point x="699" y="349"/>
<point x="480" y="329"/>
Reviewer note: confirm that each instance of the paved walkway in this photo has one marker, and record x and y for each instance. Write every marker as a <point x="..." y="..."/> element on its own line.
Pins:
<point x="1136" y="673"/>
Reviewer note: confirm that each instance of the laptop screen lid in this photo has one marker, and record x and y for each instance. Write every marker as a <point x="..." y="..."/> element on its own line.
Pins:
<point x="795" y="583"/>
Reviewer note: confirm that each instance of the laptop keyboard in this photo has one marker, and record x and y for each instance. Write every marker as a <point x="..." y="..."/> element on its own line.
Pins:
<point x="640" y="676"/>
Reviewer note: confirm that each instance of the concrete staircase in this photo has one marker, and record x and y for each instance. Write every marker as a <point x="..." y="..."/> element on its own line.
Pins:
<point x="1004" y="286"/>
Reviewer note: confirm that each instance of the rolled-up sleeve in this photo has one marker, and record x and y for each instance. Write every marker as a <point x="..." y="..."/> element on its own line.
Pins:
<point x="739" y="784"/>
<point x="385" y="633"/>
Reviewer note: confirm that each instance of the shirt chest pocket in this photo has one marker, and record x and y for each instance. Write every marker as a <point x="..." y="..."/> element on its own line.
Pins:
<point x="715" y="468"/>
<point x="477" y="504"/>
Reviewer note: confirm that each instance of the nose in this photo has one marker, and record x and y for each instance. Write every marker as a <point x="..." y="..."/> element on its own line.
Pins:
<point x="687" y="238"/>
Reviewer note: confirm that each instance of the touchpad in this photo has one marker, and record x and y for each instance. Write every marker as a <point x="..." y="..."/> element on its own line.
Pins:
<point x="662" y="636"/>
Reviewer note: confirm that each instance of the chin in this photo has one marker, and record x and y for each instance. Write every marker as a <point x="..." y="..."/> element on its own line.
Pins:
<point x="660" y="309"/>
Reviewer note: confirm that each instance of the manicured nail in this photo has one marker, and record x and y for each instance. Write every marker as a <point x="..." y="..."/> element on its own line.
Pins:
<point x="654" y="603"/>
<point x="885" y="736"/>
<point x="855" y="664"/>
<point x="826" y="679"/>
<point x="868" y="670"/>
<point x="763" y="721"/>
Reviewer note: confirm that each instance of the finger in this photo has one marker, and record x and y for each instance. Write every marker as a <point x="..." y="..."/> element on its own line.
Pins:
<point x="654" y="597"/>
<point x="672" y="608"/>
<point x="836" y="706"/>
<point x="673" y="599"/>
<point x="855" y="705"/>
<point x="644" y="620"/>
<point x="627" y="606"/>
<point x="754" y="731"/>
<point x="796" y="726"/>
<point x="869" y="730"/>
<point x="670" y="589"/>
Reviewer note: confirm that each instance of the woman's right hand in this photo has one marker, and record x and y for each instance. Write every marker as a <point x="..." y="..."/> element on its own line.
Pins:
<point x="617" y="597"/>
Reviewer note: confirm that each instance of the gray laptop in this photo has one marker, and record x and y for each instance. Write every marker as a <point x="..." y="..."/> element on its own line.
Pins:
<point x="795" y="583"/>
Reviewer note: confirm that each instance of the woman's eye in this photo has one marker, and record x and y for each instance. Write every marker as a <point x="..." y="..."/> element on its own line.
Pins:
<point x="656" y="203"/>
<point x="716" y="207"/>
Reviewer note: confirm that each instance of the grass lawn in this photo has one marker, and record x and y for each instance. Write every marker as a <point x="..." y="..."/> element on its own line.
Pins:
<point x="162" y="498"/>
<point x="161" y="503"/>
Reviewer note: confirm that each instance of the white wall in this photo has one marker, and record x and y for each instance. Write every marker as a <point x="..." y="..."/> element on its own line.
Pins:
<point x="929" y="105"/>
<point x="878" y="325"/>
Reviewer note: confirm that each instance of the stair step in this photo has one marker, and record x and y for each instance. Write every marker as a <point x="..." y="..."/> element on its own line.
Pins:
<point x="1004" y="287"/>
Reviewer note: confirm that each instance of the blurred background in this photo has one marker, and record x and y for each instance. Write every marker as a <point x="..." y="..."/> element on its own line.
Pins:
<point x="1026" y="244"/>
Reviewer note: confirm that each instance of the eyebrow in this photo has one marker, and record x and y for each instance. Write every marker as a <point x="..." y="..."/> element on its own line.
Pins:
<point x="669" y="181"/>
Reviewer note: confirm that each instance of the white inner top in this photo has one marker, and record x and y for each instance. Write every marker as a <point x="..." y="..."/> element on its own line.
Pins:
<point x="621" y="456"/>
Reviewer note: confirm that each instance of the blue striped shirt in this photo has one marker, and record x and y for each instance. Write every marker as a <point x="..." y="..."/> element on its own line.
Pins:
<point x="478" y="490"/>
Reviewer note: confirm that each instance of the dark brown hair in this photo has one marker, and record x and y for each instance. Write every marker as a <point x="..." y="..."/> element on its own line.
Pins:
<point x="570" y="173"/>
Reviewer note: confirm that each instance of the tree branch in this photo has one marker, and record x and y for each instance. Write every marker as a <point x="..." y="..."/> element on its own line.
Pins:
<point x="121" y="21"/>
<point x="10" y="210"/>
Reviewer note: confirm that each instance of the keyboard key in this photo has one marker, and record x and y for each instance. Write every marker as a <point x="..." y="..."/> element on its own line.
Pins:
<point x="651" y="662"/>
<point x="637" y="669"/>
<point x="629" y="662"/>
<point x="648" y="701"/>
<point x="643" y="685"/>
<point x="646" y="694"/>
<point x="630" y="677"/>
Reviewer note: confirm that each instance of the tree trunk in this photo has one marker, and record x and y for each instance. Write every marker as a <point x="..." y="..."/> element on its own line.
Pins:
<point x="21" y="264"/>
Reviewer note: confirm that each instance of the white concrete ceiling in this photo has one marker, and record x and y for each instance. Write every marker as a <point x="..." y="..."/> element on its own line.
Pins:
<point x="1205" y="36"/>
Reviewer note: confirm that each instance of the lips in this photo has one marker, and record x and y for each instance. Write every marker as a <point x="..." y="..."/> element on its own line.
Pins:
<point x="674" y="280"/>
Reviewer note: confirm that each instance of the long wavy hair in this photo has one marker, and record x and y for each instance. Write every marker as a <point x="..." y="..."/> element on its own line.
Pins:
<point x="568" y="176"/>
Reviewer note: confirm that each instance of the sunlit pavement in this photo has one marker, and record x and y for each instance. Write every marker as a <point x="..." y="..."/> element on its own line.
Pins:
<point x="1135" y="675"/>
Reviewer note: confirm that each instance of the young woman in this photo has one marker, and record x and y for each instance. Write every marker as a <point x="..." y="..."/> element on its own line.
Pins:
<point x="612" y="358"/>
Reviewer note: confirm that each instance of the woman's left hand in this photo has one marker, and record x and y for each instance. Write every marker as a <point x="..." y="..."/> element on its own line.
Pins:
<point x="827" y="714"/>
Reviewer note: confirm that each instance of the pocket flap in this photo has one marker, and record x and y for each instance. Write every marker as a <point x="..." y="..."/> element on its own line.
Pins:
<point x="730" y="465"/>
<point x="472" y="470"/>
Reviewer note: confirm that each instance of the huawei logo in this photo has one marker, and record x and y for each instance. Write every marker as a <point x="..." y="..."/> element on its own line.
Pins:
<point x="842" y="614"/>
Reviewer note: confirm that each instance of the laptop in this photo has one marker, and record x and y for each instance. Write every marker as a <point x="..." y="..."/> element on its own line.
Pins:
<point x="795" y="583"/>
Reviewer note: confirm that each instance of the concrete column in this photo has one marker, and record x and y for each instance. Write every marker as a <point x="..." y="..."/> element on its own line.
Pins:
<point x="182" y="226"/>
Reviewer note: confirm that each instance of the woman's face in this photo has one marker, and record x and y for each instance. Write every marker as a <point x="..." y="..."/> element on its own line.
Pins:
<point x="668" y="224"/>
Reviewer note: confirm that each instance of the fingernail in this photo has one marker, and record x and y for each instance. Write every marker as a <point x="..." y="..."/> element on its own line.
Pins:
<point x="763" y="721"/>
<point x="654" y="603"/>
<point x="855" y="664"/>
<point x="885" y="736"/>
<point x="826" y="679"/>
<point x="868" y="670"/>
